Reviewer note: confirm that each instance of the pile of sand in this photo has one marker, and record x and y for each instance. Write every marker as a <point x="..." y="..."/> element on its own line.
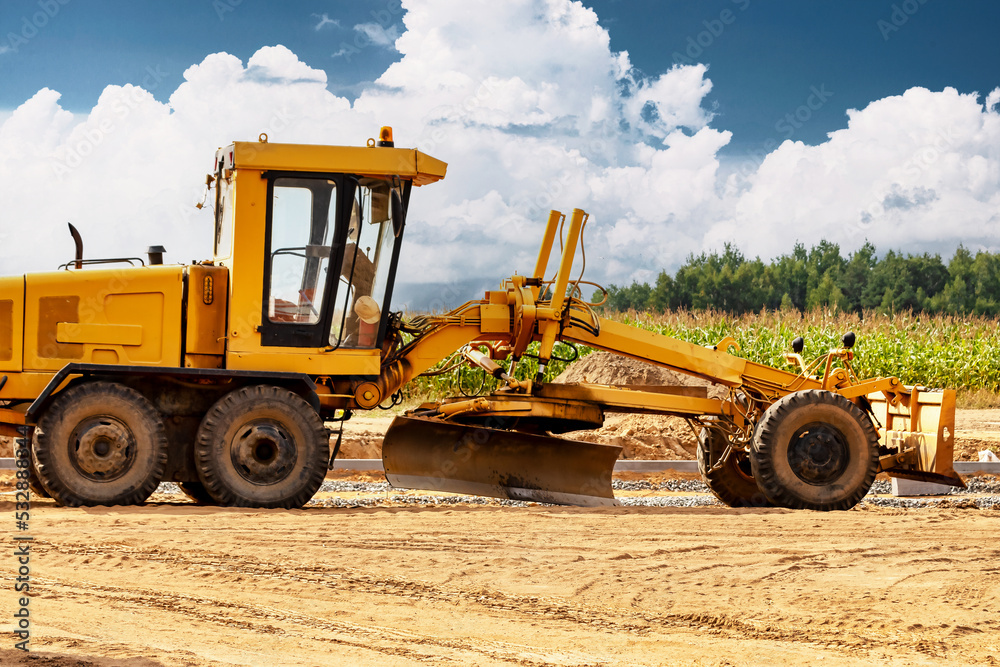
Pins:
<point x="607" y="368"/>
<point x="650" y="437"/>
<point x="639" y="436"/>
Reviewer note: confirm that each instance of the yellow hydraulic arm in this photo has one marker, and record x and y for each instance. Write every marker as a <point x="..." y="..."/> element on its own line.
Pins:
<point x="914" y="426"/>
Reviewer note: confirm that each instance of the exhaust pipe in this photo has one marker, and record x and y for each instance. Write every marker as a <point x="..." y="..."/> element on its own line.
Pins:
<point x="78" y="242"/>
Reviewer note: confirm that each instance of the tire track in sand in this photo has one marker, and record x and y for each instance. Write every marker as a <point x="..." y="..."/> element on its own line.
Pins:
<point x="549" y="609"/>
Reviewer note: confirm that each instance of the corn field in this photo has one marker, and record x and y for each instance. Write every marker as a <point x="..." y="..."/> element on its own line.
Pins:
<point x="954" y="351"/>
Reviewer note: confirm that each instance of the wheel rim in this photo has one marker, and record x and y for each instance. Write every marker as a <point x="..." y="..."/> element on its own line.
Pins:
<point x="263" y="452"/>
<point x="742" y="464"/>
<point x="102" y="448"/>
<point x="818" y="454"/>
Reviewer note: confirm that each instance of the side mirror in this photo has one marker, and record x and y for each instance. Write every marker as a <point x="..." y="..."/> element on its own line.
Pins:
<point x="396" y="209"/>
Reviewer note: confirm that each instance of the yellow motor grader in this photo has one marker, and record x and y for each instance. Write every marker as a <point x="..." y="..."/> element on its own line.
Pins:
<point x="221" y="376"/>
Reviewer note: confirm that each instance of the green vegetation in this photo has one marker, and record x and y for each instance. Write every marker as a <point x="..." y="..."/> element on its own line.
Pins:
<point x="470" y="381"/>
<point x="822" y="278"/>
<point x="961" y="352"/>
<point x="932" y="350"/>
<point x="916" y="317"/>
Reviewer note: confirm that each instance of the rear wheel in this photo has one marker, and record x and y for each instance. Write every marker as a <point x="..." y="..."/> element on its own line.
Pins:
<point x="261" y="446"/>
<point x="732" y="483"/>
<point x="100" y="443"/>
<point x="815" y="450"/>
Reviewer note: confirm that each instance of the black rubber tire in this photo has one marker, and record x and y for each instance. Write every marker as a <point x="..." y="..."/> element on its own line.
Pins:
<point x="196" y="492"/>
<point x="262" y="446"/>
<point x="100" y="443"/>
<point x="814" y="450"/>
<point x="34" y="483"/>
<point x="733" y="484"/>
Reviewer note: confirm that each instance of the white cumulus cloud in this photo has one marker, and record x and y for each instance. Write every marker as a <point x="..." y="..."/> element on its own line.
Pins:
<point x="918" y="172"/>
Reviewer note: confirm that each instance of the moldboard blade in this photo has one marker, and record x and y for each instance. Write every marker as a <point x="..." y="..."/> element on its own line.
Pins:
<point x="434" y="455"/>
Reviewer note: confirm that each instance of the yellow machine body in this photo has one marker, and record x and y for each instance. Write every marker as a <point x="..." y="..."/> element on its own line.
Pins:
<point x="289" y="323"/>
<point x="197" y="316"/>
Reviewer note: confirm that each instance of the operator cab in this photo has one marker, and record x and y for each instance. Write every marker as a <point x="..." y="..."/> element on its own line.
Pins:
<point x="330" y="241"/>
<point x="331" y="231"/>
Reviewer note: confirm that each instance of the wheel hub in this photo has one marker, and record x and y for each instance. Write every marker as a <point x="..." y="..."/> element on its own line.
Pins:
<point x="263" y="453"/>
<point x="102" y="448"/>
<point x="818" y="454"/>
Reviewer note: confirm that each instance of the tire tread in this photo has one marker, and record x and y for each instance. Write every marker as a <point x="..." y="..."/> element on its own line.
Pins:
<point x="218" y="416"/>
<point x="49" y="475"/>
<point x="762" y="459"/>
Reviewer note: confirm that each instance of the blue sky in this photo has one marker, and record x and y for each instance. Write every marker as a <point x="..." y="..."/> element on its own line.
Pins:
<point x="765" y="57"/>
<point x="765" y="63"/>
<point x="680" y="126"/>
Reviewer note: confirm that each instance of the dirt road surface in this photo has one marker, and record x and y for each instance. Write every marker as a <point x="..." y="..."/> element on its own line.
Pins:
<point x="178" y="584"/>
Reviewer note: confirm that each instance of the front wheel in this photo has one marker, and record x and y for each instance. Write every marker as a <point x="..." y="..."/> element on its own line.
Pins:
<point x="261" y="446"/>
<point x="815" y="450"/>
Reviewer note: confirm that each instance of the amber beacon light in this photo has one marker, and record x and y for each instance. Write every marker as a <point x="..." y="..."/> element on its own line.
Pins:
<point x="385" y="137"/>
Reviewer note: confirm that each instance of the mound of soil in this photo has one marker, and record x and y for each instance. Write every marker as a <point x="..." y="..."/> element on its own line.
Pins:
<point x="967" y="449"/>
<point x="644" y="437"/>
<point x="606" y="368"/>
<point x="639" y="436"/>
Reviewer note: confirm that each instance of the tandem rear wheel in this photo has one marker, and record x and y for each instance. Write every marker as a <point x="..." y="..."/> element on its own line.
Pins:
<point x="816" y="450"/>
<point x="261" y="446"/>
<point x="100" y="443"/>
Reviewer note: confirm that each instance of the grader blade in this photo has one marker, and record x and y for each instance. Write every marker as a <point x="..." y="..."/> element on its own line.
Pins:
<point x="435" y="455"/>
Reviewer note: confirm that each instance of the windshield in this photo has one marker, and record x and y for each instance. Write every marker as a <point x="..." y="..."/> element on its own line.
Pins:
<point x="301" y="237"/>
<point x="365" y="271"/>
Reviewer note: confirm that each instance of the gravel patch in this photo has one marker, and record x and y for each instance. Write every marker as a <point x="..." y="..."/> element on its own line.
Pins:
<point x="982" y="503"/>
<point x="677" y="485"/>
<point x="957" y="499"/>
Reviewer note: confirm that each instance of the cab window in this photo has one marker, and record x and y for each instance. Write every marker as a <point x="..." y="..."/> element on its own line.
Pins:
<point x="303" y="217"/>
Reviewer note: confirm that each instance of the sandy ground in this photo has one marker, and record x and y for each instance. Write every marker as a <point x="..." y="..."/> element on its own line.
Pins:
<point x="178" y="584"/>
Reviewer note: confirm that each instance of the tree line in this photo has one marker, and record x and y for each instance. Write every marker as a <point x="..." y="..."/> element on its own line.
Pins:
<point x="822" y="278"/>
